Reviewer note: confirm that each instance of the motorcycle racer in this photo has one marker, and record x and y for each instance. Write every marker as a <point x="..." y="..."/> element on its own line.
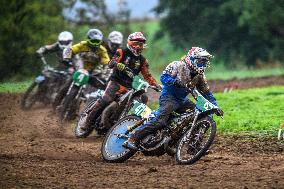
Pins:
<point x="65" y="40"/>
<point x="112" y="43"/>
<point x="92" y="52"/>
<point x="129" y="58"/>
<point x="177" y="78"/>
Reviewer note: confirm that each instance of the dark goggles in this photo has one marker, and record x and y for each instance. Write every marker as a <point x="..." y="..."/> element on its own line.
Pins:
<point x="202" y="62"/>
<point x="65" y="42"/>
<point x="94" y="41"/>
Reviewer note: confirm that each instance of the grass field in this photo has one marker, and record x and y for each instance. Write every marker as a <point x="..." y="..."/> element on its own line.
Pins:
<point x="14" y="87"/>
<point x="254" y="111"/>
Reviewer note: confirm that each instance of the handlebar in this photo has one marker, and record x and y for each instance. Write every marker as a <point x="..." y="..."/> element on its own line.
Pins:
<point x="155" y="88"/>
<point x="51" y="69"/>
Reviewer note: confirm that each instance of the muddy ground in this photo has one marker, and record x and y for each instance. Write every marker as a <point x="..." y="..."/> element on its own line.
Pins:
<point x="36" y="152"/>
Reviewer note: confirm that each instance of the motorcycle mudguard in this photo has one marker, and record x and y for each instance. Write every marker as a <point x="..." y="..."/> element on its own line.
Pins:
<point x="39" y="79"/>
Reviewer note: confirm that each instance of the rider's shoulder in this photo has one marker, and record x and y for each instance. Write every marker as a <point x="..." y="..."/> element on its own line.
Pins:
<point x="175" y="63"/>
<point x="81" y="46"/>
<point x="102" y="48"/>
<point x="83" y="43"/>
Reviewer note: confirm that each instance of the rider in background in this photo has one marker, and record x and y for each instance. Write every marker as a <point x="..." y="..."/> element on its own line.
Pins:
<point x="65" y="40"/>
<point x="120" y="80"/>
<point x="92" y="54"/>
<point x="91" y="50"/>
<point x="112" y="43"/>
<point x="177" y="78"/>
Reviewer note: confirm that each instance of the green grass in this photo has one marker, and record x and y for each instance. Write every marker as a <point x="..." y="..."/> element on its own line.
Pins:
<point x="255" y="111"/>
<point x="14" y="87"/>
<point x="219" y="72"/>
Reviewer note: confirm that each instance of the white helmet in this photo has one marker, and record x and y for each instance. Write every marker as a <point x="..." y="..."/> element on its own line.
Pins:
<point x="115" y="37"/>
<point x="65" y="39"/>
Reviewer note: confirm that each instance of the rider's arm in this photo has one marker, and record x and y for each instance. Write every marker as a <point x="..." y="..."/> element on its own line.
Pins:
<point x="116" y="58"/>
<point x="168" y="77"/>
<point x="102" y="53"/>
<point x="69" y="52"/>
<point x="47" y="49"/>
<point x="203" y="87"/>
<point x="146" y="74"/>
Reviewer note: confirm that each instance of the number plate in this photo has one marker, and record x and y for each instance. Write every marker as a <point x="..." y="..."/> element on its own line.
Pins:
<point x="140" y="109"/>
<point x="81" y="77"/>
<point x="139" y="83"/>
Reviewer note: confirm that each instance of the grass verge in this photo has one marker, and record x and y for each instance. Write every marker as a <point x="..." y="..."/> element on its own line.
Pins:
<point x="250" y="112"/>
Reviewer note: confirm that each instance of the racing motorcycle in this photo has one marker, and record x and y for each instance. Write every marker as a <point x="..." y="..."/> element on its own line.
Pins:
<point x="44" y="88"/>
<point x="70" y="105"/>
<point x="115" y="110"/>
<point x="187" y="136"/>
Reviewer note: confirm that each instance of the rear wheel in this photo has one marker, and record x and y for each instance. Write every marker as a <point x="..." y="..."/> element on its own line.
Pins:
<point x="29" y="97"/>
<point x="196" y="141"/>
<point x="112" y="149"/>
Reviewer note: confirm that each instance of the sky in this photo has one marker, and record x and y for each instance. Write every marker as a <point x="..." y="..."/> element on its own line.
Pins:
<point x="139" y="8"/>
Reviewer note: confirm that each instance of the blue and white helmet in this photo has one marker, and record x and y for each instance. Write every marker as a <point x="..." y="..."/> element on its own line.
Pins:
<point x="198" y="59"/>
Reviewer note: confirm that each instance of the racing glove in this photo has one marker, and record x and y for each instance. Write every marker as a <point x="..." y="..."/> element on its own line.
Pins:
<point x="158" y="88"/>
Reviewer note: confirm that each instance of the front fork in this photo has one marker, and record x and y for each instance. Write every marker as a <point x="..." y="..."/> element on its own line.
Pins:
<point x="132" y="127"/>
<point x="196" y="114"/>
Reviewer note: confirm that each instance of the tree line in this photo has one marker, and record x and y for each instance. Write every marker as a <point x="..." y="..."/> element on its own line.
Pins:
<point x="235" y="30"/>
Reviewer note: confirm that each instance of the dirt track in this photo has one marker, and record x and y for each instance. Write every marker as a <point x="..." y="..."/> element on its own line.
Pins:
<point x="36" y="152"/>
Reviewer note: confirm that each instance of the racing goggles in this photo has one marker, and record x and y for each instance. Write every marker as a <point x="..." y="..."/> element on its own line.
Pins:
<point x="138" y="44"/>
<point x="94" y="41"/>
<point x="65" y="42"/>
<point x="202" y="62"/>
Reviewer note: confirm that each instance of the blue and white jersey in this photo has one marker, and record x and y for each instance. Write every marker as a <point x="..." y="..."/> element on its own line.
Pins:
<point x="178" y="70"/>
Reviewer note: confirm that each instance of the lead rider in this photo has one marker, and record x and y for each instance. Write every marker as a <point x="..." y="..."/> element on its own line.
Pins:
<point x="177" y="78"/>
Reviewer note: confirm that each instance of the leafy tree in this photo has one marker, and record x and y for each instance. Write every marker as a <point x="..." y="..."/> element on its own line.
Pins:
<point x="94" y="14"/>
<point x="234" y="29"/>
<point x="25" y="25"/>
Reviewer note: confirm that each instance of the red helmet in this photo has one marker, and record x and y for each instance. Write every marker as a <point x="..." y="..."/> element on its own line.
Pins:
<point x="136" y="43"/>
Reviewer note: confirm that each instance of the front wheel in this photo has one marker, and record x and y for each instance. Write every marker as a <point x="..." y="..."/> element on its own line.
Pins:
<point x="29" y="97"/>
<point x="196" y="141"/>
<point x="112" y="149"/>
<point x="79" y="132"/>
<point x="69" y="105"/>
